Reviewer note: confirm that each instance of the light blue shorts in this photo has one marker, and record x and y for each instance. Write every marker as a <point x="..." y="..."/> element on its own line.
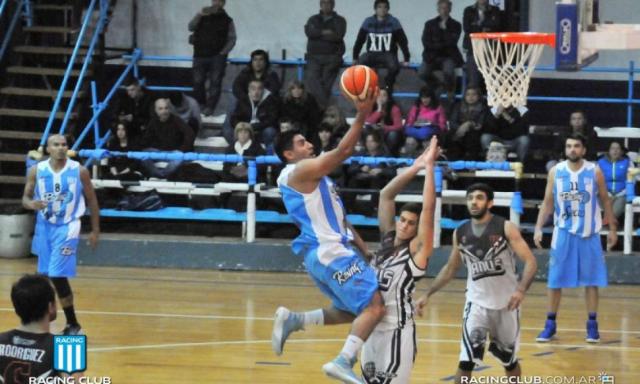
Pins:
<point x="56" y="247"/>
<point x="576" y="261"/>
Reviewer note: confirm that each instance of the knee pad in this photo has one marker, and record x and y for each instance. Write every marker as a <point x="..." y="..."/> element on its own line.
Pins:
<point x="466" y="366"/>
<point x="502" y="353"/>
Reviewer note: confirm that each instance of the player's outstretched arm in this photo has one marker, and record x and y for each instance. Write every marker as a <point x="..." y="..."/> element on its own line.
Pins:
<point x="545" y="209"/>
<point x="524" y="253"/>
<point x="422" y="245"/>
<point x="316" y="168"/>
<point x="92" y="203"/>
<point x="27" y="195"/>
<point x="605" y="202"/>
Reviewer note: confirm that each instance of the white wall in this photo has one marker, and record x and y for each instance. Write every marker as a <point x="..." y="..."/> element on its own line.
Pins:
<point x="279" y="24"/>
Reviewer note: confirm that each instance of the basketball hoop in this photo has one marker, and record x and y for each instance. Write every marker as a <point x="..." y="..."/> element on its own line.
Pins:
<point x="506" y="61"/>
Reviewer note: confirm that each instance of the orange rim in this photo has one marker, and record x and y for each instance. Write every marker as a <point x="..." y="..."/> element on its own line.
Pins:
<point x="519" y="37"/>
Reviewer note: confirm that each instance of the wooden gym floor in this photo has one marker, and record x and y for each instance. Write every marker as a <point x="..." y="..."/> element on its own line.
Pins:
<point x="183" y="326"/>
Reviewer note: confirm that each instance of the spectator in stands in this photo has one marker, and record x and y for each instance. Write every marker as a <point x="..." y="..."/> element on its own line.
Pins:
<point x="213" y="37"/>
<point x="480" y="17"/>
<point x="325" y="141"/>
<point x="325" y="48"/>
<point x="166" y="132"/>
<point x="136" y="108"/>
<point x="387" y="119"/>
<point x="301" y="107"/>
<point x="614" y="165"/>
<point x="260" y="109"/>
<point x="244" y="145"/>
<point x="382" y="34"/>
<point x="440" y="41"/>
<point x="411" y="148"/>
<point x="286" y="124"/>
<point x="578" y="123"/>
<point x="469" y="119"/>
<point x="510" y="128"/>
<point x="187" y="108"/>
<point x="426" y="117"/>
<point x="122" y="168"/>
<point x="336" y="119"/>
<point x="258" y="69"/>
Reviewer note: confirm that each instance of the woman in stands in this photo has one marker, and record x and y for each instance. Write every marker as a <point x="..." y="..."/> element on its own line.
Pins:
<point x="335" y="117"/>
<point x="244" y="145"/>
<point x="301" y="107"/>
<point x="426" y="117"/>
<point x="387" y="118"/>
<point x="614" y="165"/>
<point x="122" y="168"/>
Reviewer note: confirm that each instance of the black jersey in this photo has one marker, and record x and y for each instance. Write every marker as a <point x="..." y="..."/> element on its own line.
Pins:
<point x="24" y="355"/>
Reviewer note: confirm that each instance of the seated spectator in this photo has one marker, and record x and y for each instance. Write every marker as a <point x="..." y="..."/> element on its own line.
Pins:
<point x="336" y="119"/>
<point x="426" y="117"/>
<point x="122" y="168"/>
<point x="411" y="148"/>
<point x="469" y="119"/>
<point x="260" y="110"/>
<point x="578" y="123"/>
<point x="510" y="128"/>
<point x="324" y="140"/>
<point x="440" y="41"/>
<point x="166" y="132"/>
<point x="136" y="108"/>
<point x="286" y="124"/>
<point x="301" y="107"/>
<point x="387" y="118"/>
<point x="479" y="17"/>
<point x="257" y="69"/>
<point x="614" y="165"/>
<point x="187" y="108"/>
<point x="244" y="145"/>
<point x="382" y="34"/>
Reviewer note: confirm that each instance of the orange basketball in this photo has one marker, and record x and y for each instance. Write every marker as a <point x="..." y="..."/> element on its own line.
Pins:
<point x="357" y="81"/>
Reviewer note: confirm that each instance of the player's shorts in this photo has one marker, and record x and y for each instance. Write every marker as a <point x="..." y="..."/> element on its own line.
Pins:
<point x="56" y="247"/>
<point x="388" y="355"/>
<point x="576" y="261"/>
<point x="501" y="325"/>
<point x="348" y="281"/>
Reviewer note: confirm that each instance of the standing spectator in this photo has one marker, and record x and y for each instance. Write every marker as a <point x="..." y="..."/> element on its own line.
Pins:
<point x="387" y="117"/>
<point x="165" y="132"/>
<point x="614" y="166"/>
<point x="136" y="108"/>
<point x="440" y="41"/>
<point x="186" y="108"/>
<point x="480" y="17"/>
<point x="258" y="69"/>
<point x="244" y="145"/>
<point x="325" y="48"/>
<point x="260" y="110"/>
<point x="301" y="107"/>
<point x="510" y="128"/>
<point x="579" y="124"/>
<point x="426" y="117"/>
<point x="213" y="37"/>
<point x="120" y="167"/>
<point x="469" y="119"/>
<point x="382" y="34"/>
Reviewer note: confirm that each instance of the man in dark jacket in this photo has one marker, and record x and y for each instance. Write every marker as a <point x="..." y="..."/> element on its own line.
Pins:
<point x="440" y="40"/>
<point x="480" y="17"/>
<point x="382" y="34"/>
<point x="136" y="108"/>
<point x="325" y="48"/>
<point x="260" y="110"/>
<point x="165" y="132"/>
<point x="511" y="128"/>
<point x="213" y="37"/>
<point x="258" y="69"/>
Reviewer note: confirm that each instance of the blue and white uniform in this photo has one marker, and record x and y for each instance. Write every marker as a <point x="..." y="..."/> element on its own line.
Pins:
<point x="324" y="240"/>
<point x="58" y="224"/>
<point x="576" y="252"/>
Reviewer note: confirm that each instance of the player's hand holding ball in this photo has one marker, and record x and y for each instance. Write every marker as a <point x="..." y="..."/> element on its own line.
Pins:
<point x="359" y="84"/>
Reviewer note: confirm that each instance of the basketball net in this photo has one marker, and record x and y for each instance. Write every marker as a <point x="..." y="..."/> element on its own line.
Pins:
<point x="506" y="65"/>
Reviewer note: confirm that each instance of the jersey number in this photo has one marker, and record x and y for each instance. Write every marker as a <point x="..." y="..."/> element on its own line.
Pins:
<point x="57" y="188"/>
<point x="385" y="277"/>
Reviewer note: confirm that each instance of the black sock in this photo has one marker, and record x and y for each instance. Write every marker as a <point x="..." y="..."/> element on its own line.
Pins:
<point x="592" y="315"/>
<point x="70" y="314"/>
<point x="551" y="316"/>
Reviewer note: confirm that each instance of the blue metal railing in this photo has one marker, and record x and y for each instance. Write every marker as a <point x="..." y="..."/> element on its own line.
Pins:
<point x="21" y="9"/>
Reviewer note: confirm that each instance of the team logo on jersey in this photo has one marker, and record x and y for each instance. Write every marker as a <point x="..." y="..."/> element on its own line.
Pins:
<point x="66" y="251"/>
<point x="485" y="268"/>
<point x="70" y="353"/>
<point x="582" y="197"/>
<point x="343" y="276"/>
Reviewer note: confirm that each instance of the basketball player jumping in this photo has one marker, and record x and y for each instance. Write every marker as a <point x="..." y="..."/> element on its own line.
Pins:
<point x="56" y="189"/>
<point x="325" y="242"/>
<point x="407" y="244"/>
<point x="574" y="187"/>
<point x="486" y="245"/>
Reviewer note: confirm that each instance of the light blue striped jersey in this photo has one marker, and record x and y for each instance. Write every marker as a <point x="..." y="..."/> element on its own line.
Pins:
<point x="576" y="204"/>
<point x="61" y="190"/>
<point x="320" y="217"/>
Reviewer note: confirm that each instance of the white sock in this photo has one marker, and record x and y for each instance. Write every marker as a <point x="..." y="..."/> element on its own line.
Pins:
<point x="315" y="317"/>
<point x="351" y="347"/>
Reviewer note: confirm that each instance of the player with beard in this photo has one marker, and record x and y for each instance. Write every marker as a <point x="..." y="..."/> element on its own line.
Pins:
<point x="575" y="193"/>
<point x="487" y="244"/>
